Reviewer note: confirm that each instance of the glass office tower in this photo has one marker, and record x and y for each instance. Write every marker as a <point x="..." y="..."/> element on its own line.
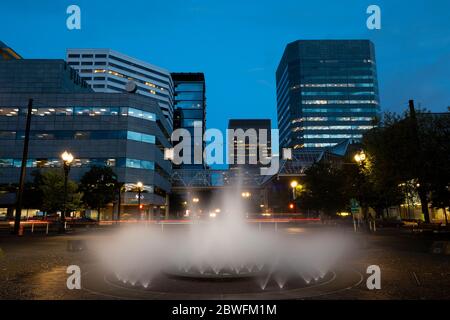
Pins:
<point x="190" y="109"/>
<point x="327" y="92"/>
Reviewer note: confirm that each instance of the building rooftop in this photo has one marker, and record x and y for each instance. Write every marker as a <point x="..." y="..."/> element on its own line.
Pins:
<point x="39" y="76"/>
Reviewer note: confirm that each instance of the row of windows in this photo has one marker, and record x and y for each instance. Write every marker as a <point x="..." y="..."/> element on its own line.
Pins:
<point x="314" y="119"/>
<point x="189" y="104"/>
<point x="185" y="86"/>
<point x="139" y="66"/>
<point x="337" y="93"/>
<point x="341" y="77"/>
<point x="340" y="68"/>
<point x="80" y="111"/>
<point x="339" y="102"/>
<point x="333" y="85"/>
<point x="140" y="73"/>
<point x="319" y="145"/>
<point x="332" y="128"/>
<point x="186" y="123"/>
<point x="114" y="73"/>
<point x="339" y="110"/>
<point x="87" y="63"/>
<point x="189" y="96"/>
<point x="191" y="113"/>
<point x="331" y="136"/>
<point x="79" y="135"/>
<point x="80" y="163"/>
<point x="100" y="56"/>
<point x="347" y="61"/>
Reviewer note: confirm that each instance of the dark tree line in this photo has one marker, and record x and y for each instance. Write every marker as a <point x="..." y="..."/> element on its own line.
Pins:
<point x="97" y="188"/>
<point x="408" y="148"/>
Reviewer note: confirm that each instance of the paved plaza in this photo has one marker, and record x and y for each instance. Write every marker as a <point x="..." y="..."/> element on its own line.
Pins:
<point x="34" y="267"/>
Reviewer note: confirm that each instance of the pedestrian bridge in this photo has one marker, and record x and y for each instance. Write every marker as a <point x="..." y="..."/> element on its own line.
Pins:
<point x="216" y="179"/>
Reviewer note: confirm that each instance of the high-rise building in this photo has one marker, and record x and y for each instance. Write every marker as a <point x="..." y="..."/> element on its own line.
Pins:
<point x="126" y="132"/>
<point x="190" y="110"/>
<point x="6" y="53"/>
<point x="106" y="70"/>
<point x="247" y="146"/>
<point x="327" y="91"/>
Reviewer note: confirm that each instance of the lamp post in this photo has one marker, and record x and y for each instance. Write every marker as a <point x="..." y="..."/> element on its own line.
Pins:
<point x="360" y="158"/>
<point x="294" y="185"/>
<point x="67" y="159"/>
<point x="139" y="187"/>
<point x="195" y="201"/>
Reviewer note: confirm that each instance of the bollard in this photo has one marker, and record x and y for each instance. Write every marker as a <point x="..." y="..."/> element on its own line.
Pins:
<point x="260" y="227"/>
<point x="162" y="227"/>
<point x="21" y="230"/>
<point x="354" y="225"/>
<point x="276" y="226"/>
<point x="46" y="231"/>
<point x="32" y="227"/>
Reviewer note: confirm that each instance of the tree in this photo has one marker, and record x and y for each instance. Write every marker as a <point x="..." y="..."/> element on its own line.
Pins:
<point x="370" y="187"/>
<point x="411" y="148"/>
<point x="33" y="196"/>
<point x="324" y="189"/>
<point x="52" y="186"/>
<point x="98" y="186"/>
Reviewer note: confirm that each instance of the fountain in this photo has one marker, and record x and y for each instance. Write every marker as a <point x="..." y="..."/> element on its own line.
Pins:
<point x="226" y="248"/>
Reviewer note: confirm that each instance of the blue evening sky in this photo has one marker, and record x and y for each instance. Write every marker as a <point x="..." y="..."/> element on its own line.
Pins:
<point x="238" y="43"/>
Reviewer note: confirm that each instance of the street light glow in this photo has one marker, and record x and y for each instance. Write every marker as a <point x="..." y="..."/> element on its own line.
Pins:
<point x="294" y="184"/>
<point x="195" y="200"/>
<point x="360" y="157"/>
<point x="67" y="157"/>
<point x="139" y="185"/>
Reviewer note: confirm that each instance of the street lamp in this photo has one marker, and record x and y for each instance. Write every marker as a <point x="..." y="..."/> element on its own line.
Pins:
<point x="67" y="159"/>
<point x="360" y="157"/>
<point x="246" y="194"/>
<point x="195" y="208"/>
<point x="294" y="185"/>
<point x="139" y="187"/>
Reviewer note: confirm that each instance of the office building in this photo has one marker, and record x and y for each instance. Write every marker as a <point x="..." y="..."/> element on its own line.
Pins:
<point x="108" y="71"/>
<point x="253" y="146"/>
<point x="327" y="91"/>
<point x="124" y="131"/>
<point x="190" y="110"/>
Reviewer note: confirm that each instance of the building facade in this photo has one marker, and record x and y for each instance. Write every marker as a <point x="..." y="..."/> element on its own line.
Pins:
<point x="127" y="132"/>
<point x="190" y="110"/>
<point x="109" y="71"/>
<point x="247" y="148"/>
<point x="327" y="91"/>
